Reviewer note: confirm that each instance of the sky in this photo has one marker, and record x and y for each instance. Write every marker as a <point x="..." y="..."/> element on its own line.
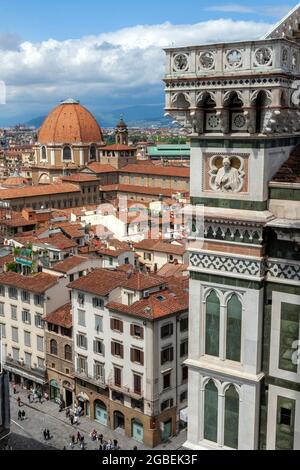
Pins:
<point x="109" y="54"/>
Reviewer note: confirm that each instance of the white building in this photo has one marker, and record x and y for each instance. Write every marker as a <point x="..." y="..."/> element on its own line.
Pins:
<point x="24" y="300"/>
<point x="131" y="341"/>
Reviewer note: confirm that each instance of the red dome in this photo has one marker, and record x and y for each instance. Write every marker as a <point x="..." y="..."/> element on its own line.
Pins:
<point x="70" y="123"/>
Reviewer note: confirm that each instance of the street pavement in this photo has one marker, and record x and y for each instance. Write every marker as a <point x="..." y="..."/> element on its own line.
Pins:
<point x="28" y="434"/>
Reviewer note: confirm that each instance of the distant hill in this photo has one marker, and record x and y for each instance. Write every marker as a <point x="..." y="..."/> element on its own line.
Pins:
<point x="135" y="116"/>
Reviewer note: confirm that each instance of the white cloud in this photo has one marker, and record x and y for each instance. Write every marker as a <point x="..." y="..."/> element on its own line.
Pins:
<point x="111" y="64"/>
<point x="231" y="8"/>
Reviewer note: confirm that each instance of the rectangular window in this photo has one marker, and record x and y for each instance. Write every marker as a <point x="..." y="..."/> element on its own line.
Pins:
<point x="285" y="428"/>
<point x="15" y="335"/>
<point x="130" y="299"/>
<point x="166" y="405"/>
<point x="98" y="324"/>
<point x="28" y="361"/>
<point x="289" y="334"/>
<point x="183" y="396"/>
<point x="166" y="330"/>
<point x="184" y="324"/>
<point x="118" y="377"/>
<point x="167" y="355"/>
<point x="13" y="311"/>
<point x="137" y="356"/>
<point x="71" y="277"/>
<point x="2" y="309"/>
<point x="26" y="317"/>
<point x="80" y="298"/>
<point x="185" y="373"/>
<point x="16" y="354"/>
<point x="116" y="325"/>
<point x="82" y="365"/>
<point x="167" y="380"/>
<point x="39" y="300"/>
<point x="53" y="328"/>
<point x="39" y="322"/>
<point x="99" y="347"/>
<point x="98" y="303"/>
<point x="137" y="384"/>
<point x="27" y="339"/>
<point x="81" y="318"/>
<point x="99" y="372"/>
<point x="82" y="342"/>
<point x="2" y="331"/>
<point x="41" y="363"/>
<point x="12" y="293"/>
<point x="2" y="291"/>
<point x="40" y="343"/>
<point x="184" y="348"/>
<point x="117" y="349"/>
<point x="137" y="331"/>
<point x="25" y="297"/>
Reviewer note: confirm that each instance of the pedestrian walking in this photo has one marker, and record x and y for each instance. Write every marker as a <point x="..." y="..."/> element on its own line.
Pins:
<point x="101" y="438"/>
<point x="23" y="415"/>
<point x="48" y="435"/>
<point x="19" y="415"/>
<point x="45" y="434"/>
<point x="72" y="419"/>
<point x="19" y="401"/>
<point x="14" y="388"/>
<point x="76" y="420"/>
<point x="29" y="398"/>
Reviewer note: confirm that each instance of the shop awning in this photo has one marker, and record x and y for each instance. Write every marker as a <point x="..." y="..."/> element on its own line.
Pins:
<point x="184" y="415"/>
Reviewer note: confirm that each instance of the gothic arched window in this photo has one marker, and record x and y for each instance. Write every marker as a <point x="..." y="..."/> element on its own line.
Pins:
<point x="53" y="347"/>
<point x="93" y="153"/>
<point x="231" y="427"/>
<point x="68" y="352"/>
<point x="212" y="328"/>
<point x="211" y="412"/>
<point x="234" y="329"/>
<point x="44" y="153"/>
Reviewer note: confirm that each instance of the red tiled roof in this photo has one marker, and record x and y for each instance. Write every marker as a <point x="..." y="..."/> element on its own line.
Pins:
<point x="99" y="282"/>
<point x="61" y="317"/>
<point x="174" y="171"/>
<point x="127" y="188"/>
<point x="69" y="264"/>
<point x="100" y="168"/>
<point x="118" y="147"/>
<point x="6" y="259"/>
<point x="158" y="305"/>
<point x="58" y="240"/>
<point x="161" y="247"/>
<point x="41" y="190"/>
<point x="80" y="178"/>
<point x="37" y="283"/>
<point x="141" y="281"/>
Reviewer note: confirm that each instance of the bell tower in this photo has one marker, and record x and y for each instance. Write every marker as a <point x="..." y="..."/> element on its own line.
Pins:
<point x="238" y="103"/>
<point x="121" y="133"/>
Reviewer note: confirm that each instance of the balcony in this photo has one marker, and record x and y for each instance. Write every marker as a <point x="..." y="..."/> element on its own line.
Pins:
<point x="99" y="382"/>
<point x="135" y="394"/>
<point x="31" y="373"/>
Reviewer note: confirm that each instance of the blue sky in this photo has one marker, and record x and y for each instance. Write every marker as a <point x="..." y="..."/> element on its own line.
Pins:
<point x="109" y="54"/>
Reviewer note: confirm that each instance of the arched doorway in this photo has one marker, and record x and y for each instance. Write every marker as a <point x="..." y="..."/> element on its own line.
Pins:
<point x="137" y="430"/>
<point x="84" y="404"/>
<point x="54" y="391"/>
<point x="68" y="394"/>
<point x="101" y="412"/>
<point x="119" y="421"/>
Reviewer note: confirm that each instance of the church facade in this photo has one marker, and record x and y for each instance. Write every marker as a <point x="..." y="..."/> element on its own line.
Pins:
<point x="239" y="104"/>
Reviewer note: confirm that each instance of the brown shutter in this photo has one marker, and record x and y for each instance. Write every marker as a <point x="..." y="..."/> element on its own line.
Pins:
<point x="132" y="355"/>
<point x="113" y="348"/>
<point x="172" y="328"/>
<point x="112" y="324"/>
<point x="122" y="351"/>
<point x="142" y="358"/>
<point x="131" y="330"/>
<point x="121" y="327"/>
<point x="162" y="358"/>
<point x="142" y="332"/>
<point x="172" y="354"/>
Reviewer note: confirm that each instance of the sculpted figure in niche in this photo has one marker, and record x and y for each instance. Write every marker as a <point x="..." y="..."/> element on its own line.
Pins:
<point x="228" y="178"/>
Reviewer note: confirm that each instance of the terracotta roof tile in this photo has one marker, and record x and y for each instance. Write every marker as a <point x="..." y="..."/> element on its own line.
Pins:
<point x="80" y="178"/>
<point x="174" y="171"/>
<point x="61" y="317"/>
<point x="99" y="282"/>
<point x="41" y="190"/>
<point x="69" y="263"/>
<point x="37" y="283"/>
<point x="118" y="147"/>
<point x="100" y="168"/>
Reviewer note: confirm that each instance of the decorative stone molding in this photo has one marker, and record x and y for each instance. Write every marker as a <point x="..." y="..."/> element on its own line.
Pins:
<point x="283" y="270"/>
<point x="225" y="264"/>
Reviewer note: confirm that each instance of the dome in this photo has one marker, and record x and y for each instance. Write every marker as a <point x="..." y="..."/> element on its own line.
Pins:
<point x="70" y="123"/>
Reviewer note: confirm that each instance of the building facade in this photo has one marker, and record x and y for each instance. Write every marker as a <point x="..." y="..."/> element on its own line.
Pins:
<point x="239" y="105"/>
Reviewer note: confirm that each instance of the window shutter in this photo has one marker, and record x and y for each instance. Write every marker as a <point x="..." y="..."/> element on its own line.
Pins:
<point x="122" y="351"/>
<point x="112" y="324"/>
<point x="78" y="341"/>
<point x="142" y="333"/>
<point x="95" y="348"/>
<point x="171" y="328"/>
<point x="162" y="358"/>
<point x="121" y="327"/>
<point x="132" y="355"/>
<point x="131" y="330"/>
<point x="113" y="348"/>
<point x="142" y="358"/>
